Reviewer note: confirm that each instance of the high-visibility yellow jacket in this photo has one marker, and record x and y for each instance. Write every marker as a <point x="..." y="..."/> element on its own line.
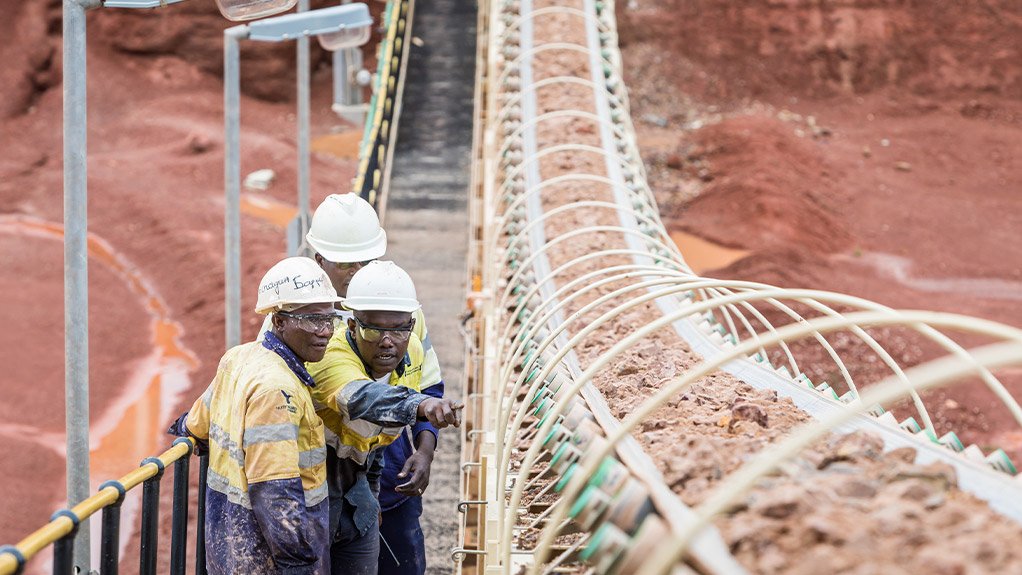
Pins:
<point x="361" y="413"/>
<point x="266" y="504"/>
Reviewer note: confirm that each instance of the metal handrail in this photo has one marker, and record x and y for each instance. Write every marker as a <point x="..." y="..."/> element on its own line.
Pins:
<point x="63" y="526"/>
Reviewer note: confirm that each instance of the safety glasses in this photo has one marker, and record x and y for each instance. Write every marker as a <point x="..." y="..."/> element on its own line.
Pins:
<point x="373" y="334"/>
<point x="348" y="266"/>
<point x="315" y="322"/>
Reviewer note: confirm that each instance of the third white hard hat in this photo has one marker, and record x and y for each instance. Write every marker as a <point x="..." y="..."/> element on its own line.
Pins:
<point x="292" y="283"/>
<point x="381" y="286"/>
<point x="345" y="228"/>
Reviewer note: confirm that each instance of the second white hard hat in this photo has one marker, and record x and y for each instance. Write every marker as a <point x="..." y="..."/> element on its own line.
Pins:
<point x="345" y="228"/>
<point x="381" y="286"/>
<point x="292" y="283"/>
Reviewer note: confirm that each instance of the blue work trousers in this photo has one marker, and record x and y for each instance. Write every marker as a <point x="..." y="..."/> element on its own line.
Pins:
<point x="354" y="553"/>
<point x="403" y="533"/>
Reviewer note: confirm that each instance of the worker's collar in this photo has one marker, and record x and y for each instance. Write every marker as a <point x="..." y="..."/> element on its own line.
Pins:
<point x="399" y="370"/>
<point x="277" y="346"/>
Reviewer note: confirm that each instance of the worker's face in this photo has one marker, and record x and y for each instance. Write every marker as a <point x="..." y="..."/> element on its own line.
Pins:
<point x="340" y="273"/>
<point x="382" y="338"/>
<point x="306" y="330"/>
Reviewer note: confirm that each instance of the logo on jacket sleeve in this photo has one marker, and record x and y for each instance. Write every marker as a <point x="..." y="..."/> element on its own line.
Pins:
<point x="290" y="407"/>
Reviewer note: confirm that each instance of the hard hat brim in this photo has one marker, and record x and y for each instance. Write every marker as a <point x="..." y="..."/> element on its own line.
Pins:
<point x="381" y="306"/>
<point x="299" y="302"/>
<point x="339" y="253"/>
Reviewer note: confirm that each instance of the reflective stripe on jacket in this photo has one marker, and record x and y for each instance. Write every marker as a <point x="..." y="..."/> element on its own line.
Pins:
<point x="266" y="507"/>
<point x="360" y="413"/>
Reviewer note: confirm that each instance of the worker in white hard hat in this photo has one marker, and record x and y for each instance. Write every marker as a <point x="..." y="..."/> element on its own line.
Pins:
<point x="369" y="384"/>
<point x="346" y="235"/>
<point x="267" y="509"/>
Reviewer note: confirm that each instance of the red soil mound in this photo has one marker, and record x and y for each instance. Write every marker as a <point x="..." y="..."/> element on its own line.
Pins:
<point x="859" y="146"/>
<point x="766" y="182"/>
<point x="810" y="48"/>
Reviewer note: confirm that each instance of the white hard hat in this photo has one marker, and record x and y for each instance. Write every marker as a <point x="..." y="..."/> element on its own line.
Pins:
<point x="345" y="228"/>
<point x="381" y="286"/>
<point x="292" y="283"/>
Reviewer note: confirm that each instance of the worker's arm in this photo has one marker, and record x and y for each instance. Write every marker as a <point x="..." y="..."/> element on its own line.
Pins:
<point x="430" y="361"/>
<point x="195" y="421"/>
<point x="379" y="403"/>
<point x="198" y="429"/>
<point x="275" y="489"/>
<point x="420" y="427"/>
<point x="393" y="405"/>
<point x="416" y="469"/>
<point x="342" y="385"/>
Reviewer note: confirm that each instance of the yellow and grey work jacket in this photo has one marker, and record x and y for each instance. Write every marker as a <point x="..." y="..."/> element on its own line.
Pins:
<point x="266" y="503"/>
<point x="361" y="413"/>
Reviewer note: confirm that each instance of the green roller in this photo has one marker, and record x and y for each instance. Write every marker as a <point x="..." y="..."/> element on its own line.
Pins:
<point x="950" y="439"/>
<point x="563" y="481"/>
<point x="911" y="425"/>
<point x="1000" y="461"/>
<point x="594" y="543"/>
<point x="580" y="503"/>
<point x="559" y="453"/>
<point x="540" y="407"/>
<point x="550" y="436"/>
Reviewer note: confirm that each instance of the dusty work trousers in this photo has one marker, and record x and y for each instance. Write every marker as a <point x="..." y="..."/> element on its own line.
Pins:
<point x="352" y="553"/>
<point x="403" y="533"/>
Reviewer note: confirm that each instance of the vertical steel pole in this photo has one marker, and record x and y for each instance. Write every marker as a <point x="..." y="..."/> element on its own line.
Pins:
<point x="110" y="543"/>
<point x="232" y="185"/>
<point x="64" y="548"/>
<point x="303" y="130"/>
<point x="340" y="77"/>
<point x="150" y="519"/>
<point x="200" y="521"/>
<point x="76" y="274"/>
<point x="179" y="519"/>
<point x="347" y="90"/>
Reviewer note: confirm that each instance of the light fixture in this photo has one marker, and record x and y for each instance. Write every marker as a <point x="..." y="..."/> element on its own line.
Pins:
<point x="336" y="27"/>
<point x="236" y="10"/>
<point x="347" y="25"/>
<point x="241" y="10"/>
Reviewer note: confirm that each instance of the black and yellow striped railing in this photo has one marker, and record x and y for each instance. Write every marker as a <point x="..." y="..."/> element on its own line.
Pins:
<point x="381" y="121"/>
<point x="63" y="526"/>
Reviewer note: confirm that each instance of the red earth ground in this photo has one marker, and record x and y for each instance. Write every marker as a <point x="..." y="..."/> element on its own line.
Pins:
<point x="865" y="147"/>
